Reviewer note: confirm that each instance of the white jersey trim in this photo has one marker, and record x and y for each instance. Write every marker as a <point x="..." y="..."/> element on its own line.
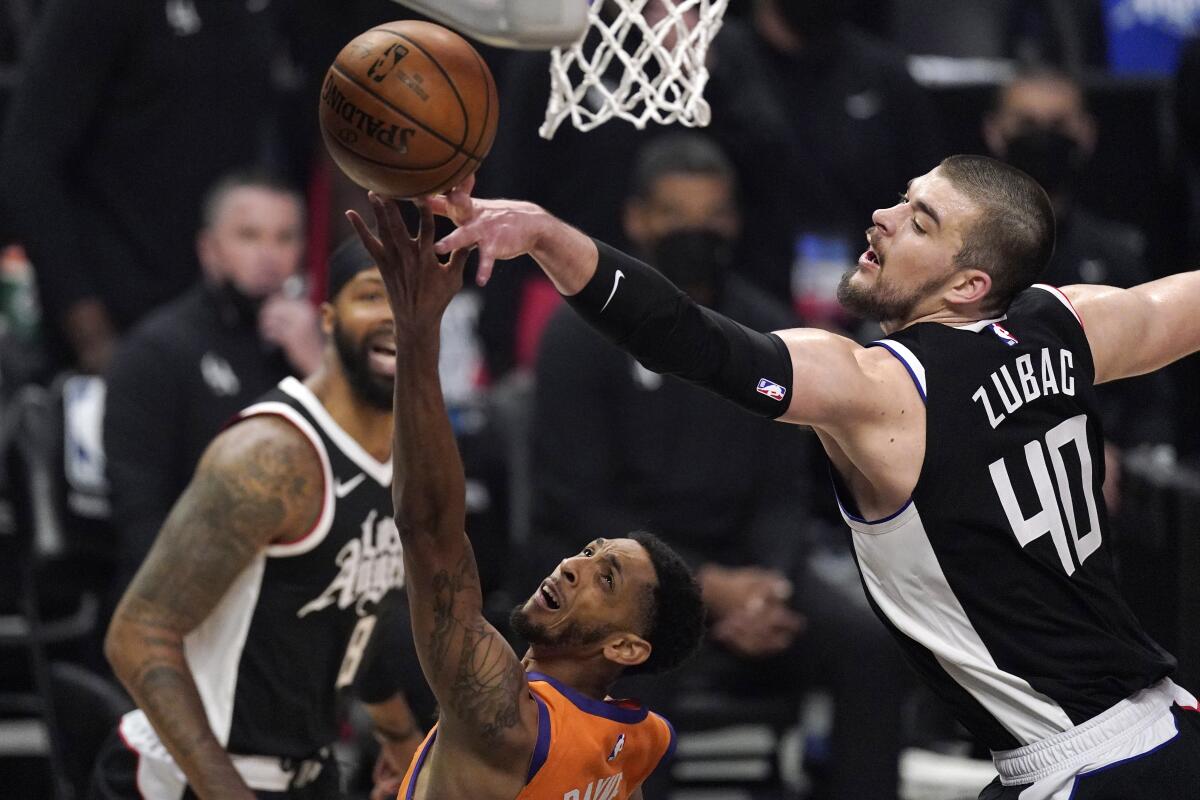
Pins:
<point x="157" y="775"/>
<point x="909" y="359"/>
<point x="214" y="648"/>
<point x="1133" y="727"/>
<point x="902" y="573"/>
<point x="381" y="472"/>
<point x="213" y="652"/>
<point x="321" y="528"/>
<point x="979" y="325"/>
<point x="1062" y="298"/>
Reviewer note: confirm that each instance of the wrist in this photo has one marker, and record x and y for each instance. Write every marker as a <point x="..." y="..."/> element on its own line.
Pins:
<point x="568" y="256"/>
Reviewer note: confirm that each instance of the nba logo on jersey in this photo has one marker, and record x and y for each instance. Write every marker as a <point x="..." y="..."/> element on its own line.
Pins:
<point x="617" y="748"/>
<point x="770" y="389"/>
<point x="1007" y="337"/>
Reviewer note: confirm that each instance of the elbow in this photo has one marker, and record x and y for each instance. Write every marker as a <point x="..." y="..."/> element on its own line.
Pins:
<point x="115" y="649"/>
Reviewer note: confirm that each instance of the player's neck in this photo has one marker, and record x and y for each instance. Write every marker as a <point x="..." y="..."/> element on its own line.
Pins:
<point x="371" y="427"/>
<point x="582" y="675"/>
<point x="944" y="316"/>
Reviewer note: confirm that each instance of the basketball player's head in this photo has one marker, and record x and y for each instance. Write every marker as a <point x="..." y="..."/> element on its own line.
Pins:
<point x="357" y="321"/>
<point x="252" y="233"/>
<point x="967" y="237"/>
<point x="682" y="212"/>
<point x="630" y="603"/>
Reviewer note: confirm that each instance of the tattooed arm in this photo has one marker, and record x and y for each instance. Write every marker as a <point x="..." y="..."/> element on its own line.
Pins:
<point x="259" y="482"/>
<point x="487" y="712"/>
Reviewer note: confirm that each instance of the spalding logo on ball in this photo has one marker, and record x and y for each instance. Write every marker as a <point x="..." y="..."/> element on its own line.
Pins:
<point x="408" y="108"/>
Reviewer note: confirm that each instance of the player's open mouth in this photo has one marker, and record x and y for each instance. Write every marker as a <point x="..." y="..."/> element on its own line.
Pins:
<point x="549" y="596"/>
<point x="869" y="259"/>
<point x="382" y="354"/>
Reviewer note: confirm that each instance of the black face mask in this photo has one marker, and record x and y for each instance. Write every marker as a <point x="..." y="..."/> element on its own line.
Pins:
<point x="693" y="258"/>
<point x="240" y="306"/>
<point x="1051" y="158"/>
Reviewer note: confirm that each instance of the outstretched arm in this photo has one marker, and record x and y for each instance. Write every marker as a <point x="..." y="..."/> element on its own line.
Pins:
<point x="254" y="485"/>
<point x="646" y="315"/>
<point x="487" y="710"/>
<point x="1138" y="330"/>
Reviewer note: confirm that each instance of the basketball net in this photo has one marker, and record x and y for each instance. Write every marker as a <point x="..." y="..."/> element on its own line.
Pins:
<point x="640" y="60"/>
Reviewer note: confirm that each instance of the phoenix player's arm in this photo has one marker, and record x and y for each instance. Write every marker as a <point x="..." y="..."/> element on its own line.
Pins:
<point x="487" y="712"/>
<point x="259" y="482"/>
<point x="1138" y="330"/>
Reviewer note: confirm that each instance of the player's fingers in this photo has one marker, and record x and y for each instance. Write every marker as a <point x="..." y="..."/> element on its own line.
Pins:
<point x="369" y="240"/>
<point x="467" y="186"/>
<point x="486" y="264"/>
<point x="380" y="216"/>
<point x="395" y="220"/>
<point x="439" y="205"/>
<point x="458" y="200"/>
<point x="425" y="232"/>
<point x="461" y="239"/>
<point x="458" y="262"/>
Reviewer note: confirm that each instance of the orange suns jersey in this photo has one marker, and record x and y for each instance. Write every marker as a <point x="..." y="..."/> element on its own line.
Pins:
<point x="586" y="749"/>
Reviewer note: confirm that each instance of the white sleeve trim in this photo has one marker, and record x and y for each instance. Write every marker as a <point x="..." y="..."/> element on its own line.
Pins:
<point x="321" y="529"/>
<point x="1062" y="298"/>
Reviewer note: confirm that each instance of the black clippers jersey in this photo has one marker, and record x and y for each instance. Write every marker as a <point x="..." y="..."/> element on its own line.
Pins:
<point x="294" y="627"/>
<point x="996" y="577"/>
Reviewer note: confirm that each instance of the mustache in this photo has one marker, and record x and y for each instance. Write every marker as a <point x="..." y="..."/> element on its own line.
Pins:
<point x="873" y="240"/>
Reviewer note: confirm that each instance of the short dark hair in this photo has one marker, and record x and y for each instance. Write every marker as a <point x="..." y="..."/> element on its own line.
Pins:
<point x="256" y="177"/>
<point x="678" y="153"/>
<point x="1013" y="239"/>
<point x="675" y="617"/>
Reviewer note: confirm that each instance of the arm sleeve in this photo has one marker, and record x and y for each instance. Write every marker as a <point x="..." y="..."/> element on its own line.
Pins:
<point x="71" y="58"/>
<point x="143" y="412"/>
<point x="649" y="317"/>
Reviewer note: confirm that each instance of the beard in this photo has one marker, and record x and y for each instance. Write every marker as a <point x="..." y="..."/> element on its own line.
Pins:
<point x="373" y="389"/>
<point x="572" y="634"/>
<point x="881" y="302"/>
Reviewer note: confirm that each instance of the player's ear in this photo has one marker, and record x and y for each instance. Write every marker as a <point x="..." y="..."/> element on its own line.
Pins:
<point x="627" y="649"/>
<point x="205" y="253"/>
<point x="969" y="286"/>
<point x="327" y="313"/>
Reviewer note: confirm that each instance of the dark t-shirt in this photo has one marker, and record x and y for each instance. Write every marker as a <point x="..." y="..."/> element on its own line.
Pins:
<point x="175" y="381"/>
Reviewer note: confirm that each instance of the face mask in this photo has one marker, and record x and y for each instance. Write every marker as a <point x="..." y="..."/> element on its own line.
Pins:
<point x="693" y="257"/>
<point x="1051" y="158"/>
<point x="244" y="306"/>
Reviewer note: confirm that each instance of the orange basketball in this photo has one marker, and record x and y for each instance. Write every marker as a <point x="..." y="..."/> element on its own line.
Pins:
<point x="408" y="108"/>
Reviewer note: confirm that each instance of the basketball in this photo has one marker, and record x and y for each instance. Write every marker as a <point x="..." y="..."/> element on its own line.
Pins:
<point x="408" y="108"/>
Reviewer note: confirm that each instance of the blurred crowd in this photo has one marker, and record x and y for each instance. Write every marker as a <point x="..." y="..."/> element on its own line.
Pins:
<point x="167" y="212"/>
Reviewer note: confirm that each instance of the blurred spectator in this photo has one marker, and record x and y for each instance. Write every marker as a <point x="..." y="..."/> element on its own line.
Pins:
<point x="1040" y="124"/>
<point x="126" y="112"/>
<point x="190" y="366"/>
<point x="614" y="450"/>
<point x="821" y="120"/>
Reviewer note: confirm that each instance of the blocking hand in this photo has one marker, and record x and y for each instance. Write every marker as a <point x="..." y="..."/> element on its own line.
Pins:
<point x="419" y="285"/>
<point x="500" y="229"/>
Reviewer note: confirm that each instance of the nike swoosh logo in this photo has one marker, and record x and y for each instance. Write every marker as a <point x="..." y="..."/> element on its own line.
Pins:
<point x="613" y="293"/>
<point x="343" y="488"/>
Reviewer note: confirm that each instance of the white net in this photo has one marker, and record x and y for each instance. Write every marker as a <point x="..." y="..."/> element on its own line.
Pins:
<point x="641" y="60"/>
